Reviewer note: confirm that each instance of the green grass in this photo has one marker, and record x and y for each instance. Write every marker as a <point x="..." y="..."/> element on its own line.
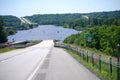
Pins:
<point x="35" y="41"/>
<point x="3" y="50"/>
<point x="93" y="50"/>
<point x="105" y="70"/>
<point x="7" y="49"/>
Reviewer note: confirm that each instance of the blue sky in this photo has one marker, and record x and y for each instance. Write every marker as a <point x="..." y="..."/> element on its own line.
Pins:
<point x="29" y="7"/>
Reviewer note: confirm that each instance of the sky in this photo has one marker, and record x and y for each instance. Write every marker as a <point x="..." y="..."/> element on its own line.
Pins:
<point x="21" y="8"/>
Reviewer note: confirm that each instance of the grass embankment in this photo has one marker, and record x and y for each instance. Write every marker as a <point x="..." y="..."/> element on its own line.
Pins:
<point x="104" y="72"/>
<point x="3" y="50"/>
<point x="7" y="49"/>
<point x="95" y="51"/>
<point x="35" y="41"/>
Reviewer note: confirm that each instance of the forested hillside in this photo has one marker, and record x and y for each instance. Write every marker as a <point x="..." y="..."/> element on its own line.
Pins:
<point x="55" y="19"/>
<point x="102" y="31"/>
<point x="3" y="33"/>
<point x="103" y="38"/>
<point x="78" y="21"/>
<point x="11" y="24"/>
<point x="11" y="21"/>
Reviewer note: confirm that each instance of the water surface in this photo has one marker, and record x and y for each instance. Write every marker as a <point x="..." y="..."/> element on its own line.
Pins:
<point x="43" y="32"/>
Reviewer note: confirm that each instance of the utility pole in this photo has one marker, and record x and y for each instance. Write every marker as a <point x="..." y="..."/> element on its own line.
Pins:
<point x="118" y="60"/>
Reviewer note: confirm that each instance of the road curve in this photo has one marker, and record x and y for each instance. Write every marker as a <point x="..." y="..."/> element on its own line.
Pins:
<point x="19" y="64"/>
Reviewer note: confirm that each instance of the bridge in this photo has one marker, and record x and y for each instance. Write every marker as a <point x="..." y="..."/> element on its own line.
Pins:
<point x="27" y="23"/>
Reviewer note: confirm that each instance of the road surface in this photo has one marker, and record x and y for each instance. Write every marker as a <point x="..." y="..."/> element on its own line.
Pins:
<point x="42" y="62"/>
<point x="59" y="65"/>
<point x="20" y="64"/>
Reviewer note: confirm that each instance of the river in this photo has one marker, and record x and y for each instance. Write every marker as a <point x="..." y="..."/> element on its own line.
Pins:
<point x="43" y="32"/>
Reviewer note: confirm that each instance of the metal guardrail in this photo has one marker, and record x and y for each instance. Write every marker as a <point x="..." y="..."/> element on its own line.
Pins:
<point x="82" y="51"/>
<point x="14" y="44"/>
<point x="108" y="64"/>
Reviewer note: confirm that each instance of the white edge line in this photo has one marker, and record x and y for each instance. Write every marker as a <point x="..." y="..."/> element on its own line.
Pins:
<point x="36" y="69"/>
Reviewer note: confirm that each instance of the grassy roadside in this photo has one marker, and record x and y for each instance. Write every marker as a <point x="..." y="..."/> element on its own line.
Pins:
<point x="7" y="49"/>
<point x="3" y="50"/>
<point x="95" y="51"/>
<point x="35" y="41"/>
<point x="104" y="73"/>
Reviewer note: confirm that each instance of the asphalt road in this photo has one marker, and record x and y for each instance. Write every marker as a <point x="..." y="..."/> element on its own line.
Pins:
<point x="21" y="64"/>
<point x="59" y="65"/>
<point x="42" y="62"/>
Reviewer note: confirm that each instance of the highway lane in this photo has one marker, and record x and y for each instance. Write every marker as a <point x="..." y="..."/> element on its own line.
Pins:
<point x="60" y="65"/>
<point x="42" y="62"/>
<point x="20" y="64"/>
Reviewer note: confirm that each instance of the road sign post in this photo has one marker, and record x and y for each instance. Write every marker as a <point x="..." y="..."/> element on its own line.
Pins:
<point x="118" y="60"/>
<point x="89" y="38"/>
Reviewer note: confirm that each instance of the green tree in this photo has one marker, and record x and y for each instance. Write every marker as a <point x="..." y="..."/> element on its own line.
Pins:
<point x="3" y="34"/>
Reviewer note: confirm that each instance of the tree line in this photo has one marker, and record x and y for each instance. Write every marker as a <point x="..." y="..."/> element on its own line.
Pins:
<point x="14" y="23"/>
<point x="101" y="33"/>
<point x="3" y="33"/>
<point x="103" y="38"/>
<point x="76" y="20"/>
<point x="83" y="22"/>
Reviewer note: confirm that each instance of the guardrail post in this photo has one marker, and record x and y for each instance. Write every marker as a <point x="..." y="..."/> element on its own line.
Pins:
<point x="76" y="51"/>
<point x="110" y="65"/>
<point x="87" y="56"/>
<point x="100" y="63"/>
<point x="80" y="52"/>
<point x="118" y="61"/>
<point x="93" y="59"/>
<point x="83" y="54"/>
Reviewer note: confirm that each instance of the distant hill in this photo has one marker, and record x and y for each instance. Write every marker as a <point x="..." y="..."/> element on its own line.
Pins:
<point x="11" y="21"/>
<point x="74" y="20"/>
<point x="60" y="19"/>
<point x="110" y="14"/>
<point x="55" y="19"/>
<point x="14" y="22"/>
